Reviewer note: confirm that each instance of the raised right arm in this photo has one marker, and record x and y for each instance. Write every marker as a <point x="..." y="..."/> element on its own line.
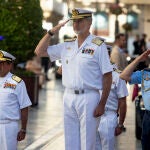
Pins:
<point x="127" y="72"/>
<point x="41" y="49"/>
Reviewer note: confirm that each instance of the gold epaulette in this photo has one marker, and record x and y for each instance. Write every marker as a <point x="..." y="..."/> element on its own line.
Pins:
<point x="98" y="41"/>
<point x="70" y="40"/>
<point x="117" y="70"/>
<point x="16" y="78"/>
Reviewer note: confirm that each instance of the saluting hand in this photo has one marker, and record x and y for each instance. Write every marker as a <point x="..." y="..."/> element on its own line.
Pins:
<point x="57" y="27"/>
<point x="144" y="55"/>
<point x="99" y="110"/>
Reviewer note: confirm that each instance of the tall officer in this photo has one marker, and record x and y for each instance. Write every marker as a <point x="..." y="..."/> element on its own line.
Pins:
<point x="86" y="70"/>
<point x="14" y="102"/>
<point x="143" y="78"/>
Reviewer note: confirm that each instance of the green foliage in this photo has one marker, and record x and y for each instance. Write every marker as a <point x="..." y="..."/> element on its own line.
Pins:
<point x="21" y="26"/>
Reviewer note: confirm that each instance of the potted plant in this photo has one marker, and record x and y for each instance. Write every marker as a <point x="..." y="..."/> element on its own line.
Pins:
<point x="32" y="83"/>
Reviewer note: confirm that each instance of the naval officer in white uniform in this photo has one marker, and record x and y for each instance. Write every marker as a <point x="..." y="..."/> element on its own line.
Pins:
<point x="111" y="126"/>
<point x="14" y="103"/>
<point x="86" y="70"/>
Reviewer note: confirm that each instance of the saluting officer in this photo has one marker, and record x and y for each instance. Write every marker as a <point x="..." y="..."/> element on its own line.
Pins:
<point x="143" y="78"/>
<point x="14" y="102"/>
<point x="86" y="71"/>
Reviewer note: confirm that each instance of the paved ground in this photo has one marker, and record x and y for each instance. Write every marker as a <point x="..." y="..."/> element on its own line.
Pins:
<point x="45" y="125"/>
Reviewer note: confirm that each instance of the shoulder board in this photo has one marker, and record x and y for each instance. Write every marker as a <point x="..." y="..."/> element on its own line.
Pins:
<point x="98" y="41"/>
<point x="70" y="40"/>
<point x="16" y="78"/>
<point x="117" y="70"/>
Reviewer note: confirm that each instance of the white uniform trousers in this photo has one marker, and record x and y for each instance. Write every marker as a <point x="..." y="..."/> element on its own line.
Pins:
<point x="8" y="135"/>
<point x="79" y="123"/>
<point x="106" y="139"/>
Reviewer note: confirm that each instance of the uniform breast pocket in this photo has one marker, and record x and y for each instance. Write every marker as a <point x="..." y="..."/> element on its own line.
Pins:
<point x="6" y="96"/>
<point x="87" y="56"/>
<point x="87" y="59"/>
<point x="146" y="86"/>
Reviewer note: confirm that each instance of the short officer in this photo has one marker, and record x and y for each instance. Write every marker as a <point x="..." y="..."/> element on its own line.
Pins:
<point x="143" y="78"/>
<point x="14" y="102"/>
<point x="86" y="70"/>
<point x="111" y="126"/>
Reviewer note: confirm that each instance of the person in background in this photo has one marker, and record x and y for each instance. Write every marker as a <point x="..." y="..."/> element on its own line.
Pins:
<point x="46" y="65"/>
<point x="86" y="71"/>
<point x="148" y="44"/>
<point x="34" y="65"/>
<point x="141" y="77"/>
<point x="143" y="45"/>
<point x="110" y="124"/>
<point x="118" y="55"/>
<point x="136" y="45"/>
<point x="14" y="103"/>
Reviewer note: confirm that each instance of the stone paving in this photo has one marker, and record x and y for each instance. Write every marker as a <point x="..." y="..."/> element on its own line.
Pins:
<point x="45" y="125"/>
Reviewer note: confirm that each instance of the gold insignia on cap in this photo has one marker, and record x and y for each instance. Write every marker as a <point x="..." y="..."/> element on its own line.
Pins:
<point x="97" y="41"/>
<point x="75" y="12"/>
<point x="80" y="13"/>
<point x="1" y="54"/>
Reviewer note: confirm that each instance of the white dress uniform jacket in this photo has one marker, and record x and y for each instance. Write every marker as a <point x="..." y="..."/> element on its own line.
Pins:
<point x="82" y="69"/>
<point x="13" y="97"/>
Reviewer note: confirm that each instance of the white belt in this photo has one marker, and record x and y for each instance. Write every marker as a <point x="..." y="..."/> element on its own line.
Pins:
<point x="80" y="91"/>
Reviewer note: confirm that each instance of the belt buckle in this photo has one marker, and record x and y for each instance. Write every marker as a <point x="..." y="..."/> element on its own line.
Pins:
<point x="76" y="91"/>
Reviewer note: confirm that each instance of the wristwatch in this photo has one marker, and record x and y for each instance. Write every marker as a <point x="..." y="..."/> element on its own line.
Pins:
<point x="120" y="126"/>
<point x="23" y="130"/>
<point x="50" y="33"/>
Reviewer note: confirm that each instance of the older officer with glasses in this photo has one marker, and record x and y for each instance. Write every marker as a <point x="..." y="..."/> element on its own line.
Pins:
<point x="14" y="102"/>
<point x="86" y="71"/>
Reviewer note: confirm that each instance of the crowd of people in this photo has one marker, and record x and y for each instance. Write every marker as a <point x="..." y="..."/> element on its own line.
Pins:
<point x="95" y="87"/>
